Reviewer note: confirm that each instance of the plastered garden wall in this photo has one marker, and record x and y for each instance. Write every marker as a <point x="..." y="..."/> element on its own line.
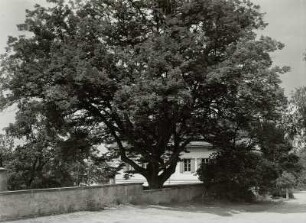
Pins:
<point x="172" y="194"/>
<point x="34" y="203"/>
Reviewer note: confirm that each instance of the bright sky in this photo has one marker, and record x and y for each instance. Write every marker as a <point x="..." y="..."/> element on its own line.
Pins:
<point x="287" y="24"/>
<point x="286" y="18"/>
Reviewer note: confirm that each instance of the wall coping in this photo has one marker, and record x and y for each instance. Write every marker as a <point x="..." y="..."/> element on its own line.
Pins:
<point x="2" y="169"/>
<point x="170" y="187"/>
<point x="32" y="191"/>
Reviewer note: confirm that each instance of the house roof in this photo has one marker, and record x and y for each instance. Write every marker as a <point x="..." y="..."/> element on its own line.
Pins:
<point x="195" y="144"/>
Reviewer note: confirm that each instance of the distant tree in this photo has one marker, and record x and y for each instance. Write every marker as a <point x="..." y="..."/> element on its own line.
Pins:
<point x="150" y="76"/>
<point x="302" y="177"/>
<point x="297" y="127"/>
<point x="297" y="115"/>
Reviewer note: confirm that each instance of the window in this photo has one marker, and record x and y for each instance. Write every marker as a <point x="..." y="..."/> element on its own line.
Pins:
<point x="129" y="167"/>
<point x="205" y="160"/>
<point x="187" y="165"/>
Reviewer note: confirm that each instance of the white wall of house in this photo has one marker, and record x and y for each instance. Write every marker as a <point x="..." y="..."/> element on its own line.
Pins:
<point x="185" y="170"/>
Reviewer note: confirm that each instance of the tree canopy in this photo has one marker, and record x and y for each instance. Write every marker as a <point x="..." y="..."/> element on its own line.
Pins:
<point x="150" y="76"/>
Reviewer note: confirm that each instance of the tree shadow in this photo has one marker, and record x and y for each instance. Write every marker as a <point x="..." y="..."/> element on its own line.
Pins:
<point x="227" y="209"/>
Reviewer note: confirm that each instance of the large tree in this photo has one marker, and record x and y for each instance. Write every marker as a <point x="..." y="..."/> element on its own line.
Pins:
<point x="150" y="76"/>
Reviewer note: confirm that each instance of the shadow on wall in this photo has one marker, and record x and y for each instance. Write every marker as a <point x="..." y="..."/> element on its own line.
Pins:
<point x="228" y="209"/>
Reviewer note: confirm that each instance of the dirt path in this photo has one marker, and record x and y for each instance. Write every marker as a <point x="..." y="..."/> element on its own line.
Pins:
<point x="293" y="211"/>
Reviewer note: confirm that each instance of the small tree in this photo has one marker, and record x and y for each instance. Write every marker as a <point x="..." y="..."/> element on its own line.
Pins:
<point x="44" y="159"/>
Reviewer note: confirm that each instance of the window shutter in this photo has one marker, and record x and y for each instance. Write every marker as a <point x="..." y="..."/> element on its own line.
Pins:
<point x="192" y="165"/>
<point x="199" y="161"/>
<point x="182" y="166"/>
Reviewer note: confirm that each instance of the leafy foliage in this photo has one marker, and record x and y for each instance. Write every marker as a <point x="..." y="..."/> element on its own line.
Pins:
<point x="44" y="159"/>
<point x="237" y="174"/>
<point x="39" y="164"/>
<point x="266" y="166"/>
<point x="6" y="149"/>
<point x="297" y="128"/>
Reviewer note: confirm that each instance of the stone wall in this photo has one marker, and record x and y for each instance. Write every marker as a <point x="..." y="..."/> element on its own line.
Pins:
<point x="33" y="203"/>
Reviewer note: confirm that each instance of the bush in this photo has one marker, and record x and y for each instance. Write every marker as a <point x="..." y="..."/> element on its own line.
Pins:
<point x="237" y="175"/>
<point x="284" y="185"/>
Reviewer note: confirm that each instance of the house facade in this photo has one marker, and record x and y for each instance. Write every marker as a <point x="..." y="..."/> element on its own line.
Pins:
<point x="185" y="170"/>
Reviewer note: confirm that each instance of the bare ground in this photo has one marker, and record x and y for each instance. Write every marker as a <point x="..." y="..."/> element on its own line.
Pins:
<point x="292" y="211"/>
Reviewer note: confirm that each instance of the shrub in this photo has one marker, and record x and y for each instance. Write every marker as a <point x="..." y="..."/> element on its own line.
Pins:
<point x="237" y="175"/>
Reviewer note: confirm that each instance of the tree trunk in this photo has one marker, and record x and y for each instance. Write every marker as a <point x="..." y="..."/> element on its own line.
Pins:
<point x="155" y="181"/>
<point x="152" y="177"/>
<point x="287" y="194"/>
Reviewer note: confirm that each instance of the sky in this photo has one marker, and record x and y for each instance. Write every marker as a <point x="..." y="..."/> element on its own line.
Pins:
<point x="287" y="24"/>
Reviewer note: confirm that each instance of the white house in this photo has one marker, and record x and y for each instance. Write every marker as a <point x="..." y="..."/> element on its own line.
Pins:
<point x="185" y="170"/>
